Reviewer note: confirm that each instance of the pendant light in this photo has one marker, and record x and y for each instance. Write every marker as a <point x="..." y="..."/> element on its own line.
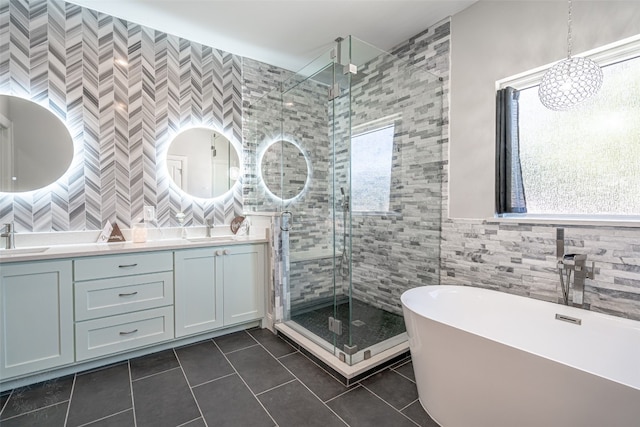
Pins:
<point x="571" y="81"/>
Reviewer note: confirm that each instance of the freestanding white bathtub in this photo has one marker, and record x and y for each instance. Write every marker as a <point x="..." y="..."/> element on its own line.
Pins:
<point x="484" y="358"/>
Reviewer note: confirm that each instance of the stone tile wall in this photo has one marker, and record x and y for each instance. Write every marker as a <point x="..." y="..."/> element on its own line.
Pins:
<point x="396" y="251"/>
<point x="521" y="259"/>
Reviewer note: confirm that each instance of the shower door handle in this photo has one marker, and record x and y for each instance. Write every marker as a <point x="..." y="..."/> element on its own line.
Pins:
<point x="289" y="217"/>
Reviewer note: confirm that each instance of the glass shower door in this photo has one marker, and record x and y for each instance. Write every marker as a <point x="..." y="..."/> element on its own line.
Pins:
<point x="387" y="194"/>
<point x="350" y="151"/>
<point x="307" y="140"/>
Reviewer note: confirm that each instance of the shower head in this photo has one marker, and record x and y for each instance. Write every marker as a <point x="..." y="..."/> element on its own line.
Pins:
<point x="345" y="200"/>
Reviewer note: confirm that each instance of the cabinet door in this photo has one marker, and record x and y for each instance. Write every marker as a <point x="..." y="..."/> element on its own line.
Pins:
<point x="198" y="291"/>
<point x="243" y="283"/>
<point x="36" y="322"/>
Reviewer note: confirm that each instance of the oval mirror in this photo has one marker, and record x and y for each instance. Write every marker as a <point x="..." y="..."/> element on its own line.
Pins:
<point x="36" y="148"/>
<point x="203" y="162"/>
<point x="284" y="169"/>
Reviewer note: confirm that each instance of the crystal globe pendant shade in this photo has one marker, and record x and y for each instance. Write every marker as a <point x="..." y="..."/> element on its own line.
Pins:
<point x="571" y="81"/>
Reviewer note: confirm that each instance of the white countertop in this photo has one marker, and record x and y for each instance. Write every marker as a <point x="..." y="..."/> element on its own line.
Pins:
<point x="75" y="250"/>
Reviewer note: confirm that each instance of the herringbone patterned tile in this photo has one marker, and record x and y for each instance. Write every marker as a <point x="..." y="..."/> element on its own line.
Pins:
<point x="121" y="117"/>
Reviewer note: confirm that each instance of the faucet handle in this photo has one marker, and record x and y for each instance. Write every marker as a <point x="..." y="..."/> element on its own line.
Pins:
<point x="9" y="229"/>
<point x="9" y="234"/>
<point x="560" y="245"/>
<point x="591" y="274"/>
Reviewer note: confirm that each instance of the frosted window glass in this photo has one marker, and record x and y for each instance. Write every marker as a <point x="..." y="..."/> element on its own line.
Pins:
<point x="371" y="155"/>
<point x="585" y="161"/>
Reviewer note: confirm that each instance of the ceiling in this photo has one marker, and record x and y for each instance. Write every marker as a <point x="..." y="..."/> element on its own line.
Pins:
<point x="286" y="33"/>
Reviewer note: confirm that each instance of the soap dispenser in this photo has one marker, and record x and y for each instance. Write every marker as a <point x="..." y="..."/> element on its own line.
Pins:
<point x="183" y="231"/>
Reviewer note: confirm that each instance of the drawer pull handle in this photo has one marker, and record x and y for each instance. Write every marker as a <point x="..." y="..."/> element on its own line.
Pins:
<point x="129" y="333"/>
<point x="127" y="265"/>
<point x="226" y="252"/>
<point x="129" y="294"/>
<point x="217" y="253"/>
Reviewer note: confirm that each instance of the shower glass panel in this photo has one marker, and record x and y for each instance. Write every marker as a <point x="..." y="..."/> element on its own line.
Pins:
<point x="393" y="148"/>
<point x="359" y="130"/>
<point x="308" y="109"/>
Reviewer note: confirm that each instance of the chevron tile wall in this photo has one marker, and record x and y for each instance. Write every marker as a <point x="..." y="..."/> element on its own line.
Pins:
<point x="124" y="91"/>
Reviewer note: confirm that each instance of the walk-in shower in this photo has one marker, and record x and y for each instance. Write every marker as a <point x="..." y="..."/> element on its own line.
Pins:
<point x="348" y="152"/>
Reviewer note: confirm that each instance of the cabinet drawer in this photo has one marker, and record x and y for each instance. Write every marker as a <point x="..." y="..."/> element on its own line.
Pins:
<point x="100" y="337"/>
<point x="122" y="265"/>
<point x="108" y="297"/>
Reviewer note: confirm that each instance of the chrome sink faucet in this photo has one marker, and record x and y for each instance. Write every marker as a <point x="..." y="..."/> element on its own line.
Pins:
<point x="209" y="225"/>
<point x="9" y="234"/>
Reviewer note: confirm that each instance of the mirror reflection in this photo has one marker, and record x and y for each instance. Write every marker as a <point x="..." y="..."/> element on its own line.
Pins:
<point x="36" y="148"/>
<point x="203" y="162"/>
<point x="284" y="169"/>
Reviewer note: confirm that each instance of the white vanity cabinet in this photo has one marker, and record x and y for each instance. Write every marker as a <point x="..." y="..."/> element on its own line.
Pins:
<point x="122" y="302"/>
<point x="66" y="314"/>
<point x="243" y="283"/>
<point x="36" y="318"/>
<point x="218" y="287"/>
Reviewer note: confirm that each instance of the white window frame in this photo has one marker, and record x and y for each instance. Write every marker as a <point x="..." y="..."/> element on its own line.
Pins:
<point x="612" y="53"/>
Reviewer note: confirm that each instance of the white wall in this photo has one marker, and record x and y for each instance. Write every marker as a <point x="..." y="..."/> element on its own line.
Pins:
<point x="492" y="40"/>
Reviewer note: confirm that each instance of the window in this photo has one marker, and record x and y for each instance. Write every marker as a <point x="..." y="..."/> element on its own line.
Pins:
<point x="585" y="161"/>
<point x="371" y="155"/>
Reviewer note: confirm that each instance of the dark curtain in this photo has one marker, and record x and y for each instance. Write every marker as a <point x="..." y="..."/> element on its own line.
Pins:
<point x="510" y="196"/>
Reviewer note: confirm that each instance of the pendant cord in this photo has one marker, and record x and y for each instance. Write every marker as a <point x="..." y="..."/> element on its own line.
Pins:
<point x="569" y="38"/>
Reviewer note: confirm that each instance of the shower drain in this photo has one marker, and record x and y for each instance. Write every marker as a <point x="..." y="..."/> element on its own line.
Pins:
<point x="358" y="323"/>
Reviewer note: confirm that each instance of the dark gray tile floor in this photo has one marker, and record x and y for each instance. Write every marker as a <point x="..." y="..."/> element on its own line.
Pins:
<point x="249" y="378"/>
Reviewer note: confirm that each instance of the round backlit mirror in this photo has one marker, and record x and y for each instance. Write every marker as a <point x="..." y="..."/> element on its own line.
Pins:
<point x="284" y="169"/>
<point x="203" y="162"/>
<point x="36" y="148"/>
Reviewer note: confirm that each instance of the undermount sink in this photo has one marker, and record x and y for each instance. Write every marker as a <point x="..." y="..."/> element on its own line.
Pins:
<point x="22" y="251"/>
<point x="210" y="239"/>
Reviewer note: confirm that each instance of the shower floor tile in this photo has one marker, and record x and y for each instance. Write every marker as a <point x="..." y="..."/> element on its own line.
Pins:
<point x="369" y="325"/>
